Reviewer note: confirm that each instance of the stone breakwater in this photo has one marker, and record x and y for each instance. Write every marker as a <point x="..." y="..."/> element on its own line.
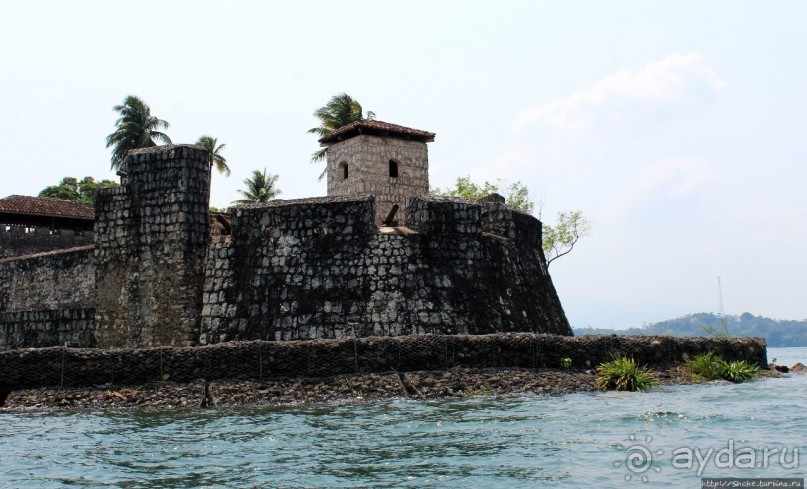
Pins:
<point x="262" y="360"/>
<point x="352" y="388"/>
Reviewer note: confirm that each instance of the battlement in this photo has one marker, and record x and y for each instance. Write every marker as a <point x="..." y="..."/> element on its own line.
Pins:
<point x="305" y="217"/>
<point x="357" y="215"/>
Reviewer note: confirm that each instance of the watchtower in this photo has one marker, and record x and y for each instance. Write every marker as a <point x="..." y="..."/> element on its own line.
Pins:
<point x="151" y="237"/>
<point x="387" y="161"/>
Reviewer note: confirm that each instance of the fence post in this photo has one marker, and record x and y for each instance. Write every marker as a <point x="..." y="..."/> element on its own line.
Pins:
<point x="445" y="350"/>
<point x="355" y="350"/>
<point x="61" y="380"/>
<point x="534" y="352"/>
<point x="260" y="361"/>
<point x="308" y="357"/>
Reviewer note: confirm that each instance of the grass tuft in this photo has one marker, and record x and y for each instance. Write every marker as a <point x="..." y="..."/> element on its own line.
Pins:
<point x="740" y="371"/>
<point x="709" y="366"/>
<point x="624" y="374"/>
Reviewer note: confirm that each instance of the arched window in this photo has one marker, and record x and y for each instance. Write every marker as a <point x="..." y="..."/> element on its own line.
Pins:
<point x="343" y="166"/>
<point x="393" y="169"/>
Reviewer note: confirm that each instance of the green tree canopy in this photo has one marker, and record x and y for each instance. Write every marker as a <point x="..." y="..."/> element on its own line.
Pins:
<point x="516" y="194"/>
<point x="135" y="128"/>
<point x="340" y="111"/>
<point x="558" y="239"/>
<point x="215" y="149"/>
<point x="82" y="191"/>
<point x="259" y="188"/>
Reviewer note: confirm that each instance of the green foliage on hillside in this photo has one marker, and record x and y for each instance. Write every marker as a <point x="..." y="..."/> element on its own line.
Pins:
<point x="778" y="333"/>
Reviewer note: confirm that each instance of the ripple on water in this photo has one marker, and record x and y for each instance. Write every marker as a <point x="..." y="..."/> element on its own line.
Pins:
<point x="529" y="441"/>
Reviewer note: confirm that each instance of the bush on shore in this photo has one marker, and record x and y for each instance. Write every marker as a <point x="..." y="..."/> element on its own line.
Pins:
<point x="624" y="374"/>
<point x="708" y="366"/>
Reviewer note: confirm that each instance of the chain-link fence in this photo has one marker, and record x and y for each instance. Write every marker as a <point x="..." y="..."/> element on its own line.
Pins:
<point x="58" y="366"/>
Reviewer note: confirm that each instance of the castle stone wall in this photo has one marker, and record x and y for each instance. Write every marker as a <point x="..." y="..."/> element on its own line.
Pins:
<point x="62" y="279"/>
<point x="305" y="269"/>
<point x="20" y="240"/>
<point x="368" y="159"/>
<point x="151" y="240"/>
<point x="320" y="268"/>
<point x="44" y="328"/>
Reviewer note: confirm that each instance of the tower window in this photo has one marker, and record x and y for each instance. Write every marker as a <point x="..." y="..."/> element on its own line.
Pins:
<point x="343" y="166"/>
<point x="393" y="169"/>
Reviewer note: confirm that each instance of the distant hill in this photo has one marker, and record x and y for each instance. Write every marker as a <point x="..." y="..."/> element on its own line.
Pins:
<point x="778" y="333"/>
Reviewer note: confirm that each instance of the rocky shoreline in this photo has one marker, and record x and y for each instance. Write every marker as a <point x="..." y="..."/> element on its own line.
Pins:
<point x="357" y="388"/>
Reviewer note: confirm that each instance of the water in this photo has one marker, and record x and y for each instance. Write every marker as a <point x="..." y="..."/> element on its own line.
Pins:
<point x="579" y="440"/>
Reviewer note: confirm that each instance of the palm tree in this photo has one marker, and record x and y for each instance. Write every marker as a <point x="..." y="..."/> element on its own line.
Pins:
<point x="340" y="111"/>
<point x="216" y="158"/>
<point x="136" y="128"/>
<point x="259" y="188"/>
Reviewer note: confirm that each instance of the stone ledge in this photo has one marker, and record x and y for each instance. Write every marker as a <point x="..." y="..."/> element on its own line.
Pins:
<point x="66" y="251"/>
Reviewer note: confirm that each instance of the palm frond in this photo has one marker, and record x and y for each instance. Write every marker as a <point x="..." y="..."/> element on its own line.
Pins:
<point x="160" y="137"/>
<point x="259" y="188"/>
<point x="318" y="156"/>
<point x="217" y="159"/>
<point x="340" y="111"/>
<point x="135" y="128"/>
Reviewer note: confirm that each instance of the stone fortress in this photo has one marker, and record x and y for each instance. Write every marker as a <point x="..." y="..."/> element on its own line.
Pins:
<point x="376" y="257"/>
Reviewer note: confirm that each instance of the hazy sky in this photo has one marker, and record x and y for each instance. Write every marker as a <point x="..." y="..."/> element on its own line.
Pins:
<point x="678" y="128"/>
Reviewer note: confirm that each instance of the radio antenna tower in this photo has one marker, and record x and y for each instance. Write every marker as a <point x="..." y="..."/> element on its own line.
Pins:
<point x="719" y="297"/>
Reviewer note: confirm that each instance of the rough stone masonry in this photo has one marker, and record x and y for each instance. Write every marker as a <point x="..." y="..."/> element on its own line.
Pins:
<point x="314" y="268"/>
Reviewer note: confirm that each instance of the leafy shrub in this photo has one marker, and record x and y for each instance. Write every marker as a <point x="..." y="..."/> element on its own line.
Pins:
<point x="710" y="366"/>
<point x="566" y="363"/>
<point x="707" y="366"/>
<point x="624" y="374"/>
<point x="739" y="371"/>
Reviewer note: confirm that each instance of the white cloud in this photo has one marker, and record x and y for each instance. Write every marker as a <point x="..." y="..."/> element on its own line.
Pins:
<point x="669" y="176"/>
<point x="626" y="95"/>
<point x="512" y="163"/>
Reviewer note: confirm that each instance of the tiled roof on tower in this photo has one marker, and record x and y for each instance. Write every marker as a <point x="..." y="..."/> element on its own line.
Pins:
<point x="376" y="128"/>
